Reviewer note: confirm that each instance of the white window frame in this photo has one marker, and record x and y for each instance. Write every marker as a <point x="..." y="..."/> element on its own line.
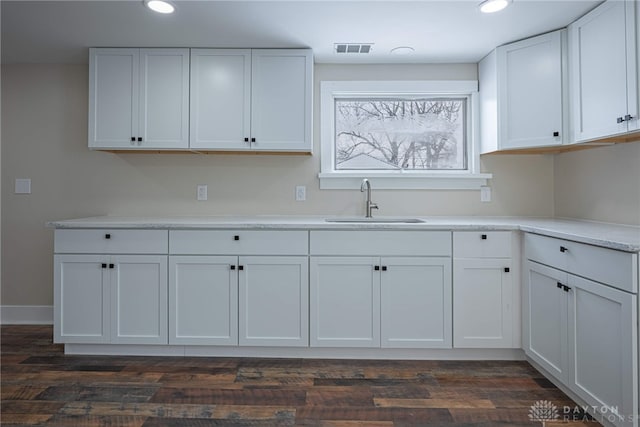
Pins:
<point x="330" y="178"/>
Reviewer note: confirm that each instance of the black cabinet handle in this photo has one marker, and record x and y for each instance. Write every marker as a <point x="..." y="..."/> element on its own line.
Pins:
<point x="619" y="120"/>
<point x="133" y="139"/>
<point x="104" y="265"/>
<point x="384" y="268"/>
<point x="376" y="268"/>
<point x="559" y="285"/>
<point x="246" y="140"/>
<point x="236" y="237"/>
<point x="233" y="267"/>
<point x="563" y="249"/>
<point x="107" y="236"/>
<point x="240" y="267"/>
<point x="139" y="139"/>
<point x="556" y="134"/>
<point x="112" y="266"/>
<point x="566" y="288"/>
<point x="507" y="269"/>
<point x="628" y="117"/>
<point x="253" y="140"/>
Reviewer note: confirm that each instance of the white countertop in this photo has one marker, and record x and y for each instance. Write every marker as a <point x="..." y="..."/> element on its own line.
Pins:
<point x="621" y="237"/>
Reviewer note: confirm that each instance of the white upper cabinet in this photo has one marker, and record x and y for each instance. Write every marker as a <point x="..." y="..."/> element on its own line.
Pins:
<point x="220" y="99"/>
<point x="251" y="99"/>
<point x="281" y="100"/>
<point x="138" y="98"/>
<point x="523" y="94"/>
<point x="604" y="71"/>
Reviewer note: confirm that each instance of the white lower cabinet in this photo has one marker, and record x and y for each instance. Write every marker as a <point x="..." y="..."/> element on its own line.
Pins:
<point x="344" y="302"/>
<point x="402" y="302"/>
<point x="602" y="347"/>
<point x="274" y="301"/>
<point x="583" y="332"/>
<point x="546" y="339"/>
<point x="203" y="300"/>
<point x="415" y="302"/>
<point x="110" y="299"/>
<point x="485" y="296"/>
<point x="483" y="303"/>
<point x="231" y="300"/>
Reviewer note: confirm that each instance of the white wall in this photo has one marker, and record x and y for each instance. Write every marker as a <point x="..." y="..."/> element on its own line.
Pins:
<point x="600" y="184"/>
<point x="44" y="118"/>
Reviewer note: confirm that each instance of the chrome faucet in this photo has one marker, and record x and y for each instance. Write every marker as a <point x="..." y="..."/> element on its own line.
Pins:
<point x="366" y="185"/>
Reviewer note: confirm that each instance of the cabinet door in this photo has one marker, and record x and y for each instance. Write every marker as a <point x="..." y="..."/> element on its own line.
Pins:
<point x="81" y="299"/>
<point x="415" y="300"/>
<point x="203" y="300"/>
<point x="113" y="97"/>
<point x="603" y="71"/>
<point x="531" y="86"/>
<point x="164" y="98"/>
<point x="281" y="99"/>
<point x="220" y="99"/>
<point x="603" y="347"/>
<point x="344" y="302"/>
<point x="274" y="301"/>
<point x="139" y="299"/>
<point x="545" y="324"/>
<point x="482" y="303"/>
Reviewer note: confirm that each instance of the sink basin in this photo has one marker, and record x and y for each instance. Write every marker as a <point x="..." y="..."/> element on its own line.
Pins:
<point x="376" y="220"/>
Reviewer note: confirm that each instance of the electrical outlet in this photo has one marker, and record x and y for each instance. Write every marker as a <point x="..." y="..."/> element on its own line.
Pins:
<point x="485" y="194"/>
<point x="201" y="192"/>
<point x="301" y="193"/>
<point x="22" y="186"/>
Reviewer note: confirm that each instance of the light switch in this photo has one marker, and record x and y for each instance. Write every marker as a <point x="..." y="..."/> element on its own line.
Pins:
<point x="23" y="186"/>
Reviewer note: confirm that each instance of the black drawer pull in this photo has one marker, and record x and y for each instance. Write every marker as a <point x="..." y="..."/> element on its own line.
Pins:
<point x="139" y="139"/>
<point x="384" y="268"/>
<point x="483" y="236"/>
<point x="507" y="269"/>
<point x="233" y="267"/>
<point x="104" y="265"/>
<point x="376" y="268"/>
<point x="236" y="237"/>
<point x="559" y="285"/>
<point x="133" y="139"/>
<point x="107" y="236"/>
<point x="240" y="267"/>
<point x="563" y="249"/>
<point x="112" y="266"/>
<point x="556" y="134"/>
<point x="253" y="140"/>
<point x="246" y="140"/>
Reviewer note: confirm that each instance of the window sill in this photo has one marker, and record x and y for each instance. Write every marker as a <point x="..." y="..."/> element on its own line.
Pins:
<point x="403" y="181"/>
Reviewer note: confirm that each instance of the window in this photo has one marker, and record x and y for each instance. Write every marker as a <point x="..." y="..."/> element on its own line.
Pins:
<point x="399" y="134"/>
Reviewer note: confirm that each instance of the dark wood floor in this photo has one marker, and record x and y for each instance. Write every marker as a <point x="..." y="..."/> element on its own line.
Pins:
<point x="40" y="386"/>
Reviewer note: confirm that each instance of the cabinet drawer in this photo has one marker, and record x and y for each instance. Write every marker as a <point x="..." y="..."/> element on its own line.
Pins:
<point x="238" y="242"/>
<point x="482" y="244"/>
<point x="615" y="268"/>
<point x="390" y="243"/>
<point x="105" y="241"/>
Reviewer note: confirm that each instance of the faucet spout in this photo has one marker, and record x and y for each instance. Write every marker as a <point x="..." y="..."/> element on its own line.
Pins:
<point x="369" y="205"/>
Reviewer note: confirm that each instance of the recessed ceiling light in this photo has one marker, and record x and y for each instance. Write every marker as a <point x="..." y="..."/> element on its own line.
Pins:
<point x="402" y="50"/>
<point x="490" y="6"/>
<point x="160" y="6"/>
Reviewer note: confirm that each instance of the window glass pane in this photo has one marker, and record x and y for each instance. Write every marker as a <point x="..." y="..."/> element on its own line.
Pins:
<point x="390" y="134"/>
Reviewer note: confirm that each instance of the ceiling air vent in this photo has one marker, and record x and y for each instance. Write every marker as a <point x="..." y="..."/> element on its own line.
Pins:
<point x="352" y="47"/>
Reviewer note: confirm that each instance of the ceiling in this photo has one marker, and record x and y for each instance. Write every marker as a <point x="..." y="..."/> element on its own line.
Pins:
<point x="440" y="31"/>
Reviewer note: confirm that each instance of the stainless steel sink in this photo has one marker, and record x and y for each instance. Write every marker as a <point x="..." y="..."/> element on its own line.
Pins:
<point x="376" y="220"/>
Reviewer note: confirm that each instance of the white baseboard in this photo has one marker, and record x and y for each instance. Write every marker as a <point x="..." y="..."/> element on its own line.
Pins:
<point x="26" y="314"/>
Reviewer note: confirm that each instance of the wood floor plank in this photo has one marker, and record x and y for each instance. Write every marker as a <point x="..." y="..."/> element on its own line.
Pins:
<point x="433" y="403"/>
<point x="24" y="419"/>
<point x="60" y="420"/>
<point x="268" y="397"/>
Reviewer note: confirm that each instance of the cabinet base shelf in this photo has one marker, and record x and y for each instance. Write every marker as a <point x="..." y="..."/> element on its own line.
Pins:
<point x="293" y="352"/>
